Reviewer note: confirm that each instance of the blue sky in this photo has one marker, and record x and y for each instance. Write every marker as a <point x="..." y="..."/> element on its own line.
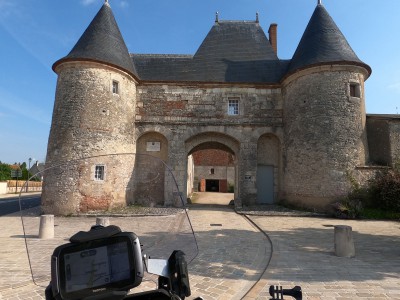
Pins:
<point x="36" y="33"/>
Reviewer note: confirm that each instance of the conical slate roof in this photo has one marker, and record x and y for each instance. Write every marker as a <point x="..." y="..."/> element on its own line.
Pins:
<point x="322" y="43"/>
<point x="102" y="42"/>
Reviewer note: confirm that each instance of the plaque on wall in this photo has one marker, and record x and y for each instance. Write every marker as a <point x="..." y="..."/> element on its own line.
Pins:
<point x="153" y="146"/>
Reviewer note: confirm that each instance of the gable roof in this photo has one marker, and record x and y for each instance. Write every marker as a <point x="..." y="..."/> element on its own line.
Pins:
<point x="323" y="42"/>
<point x="236" y="41"/>
<point x="233" y="51"/>
<point x="102" y="42"/>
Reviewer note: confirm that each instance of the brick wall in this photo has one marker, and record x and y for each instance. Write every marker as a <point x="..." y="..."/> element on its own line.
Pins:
<point x="212" y="157"/>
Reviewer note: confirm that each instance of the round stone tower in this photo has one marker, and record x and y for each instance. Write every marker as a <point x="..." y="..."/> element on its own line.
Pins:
<point x="324" y="115"/>
<point x="94" y="113"/>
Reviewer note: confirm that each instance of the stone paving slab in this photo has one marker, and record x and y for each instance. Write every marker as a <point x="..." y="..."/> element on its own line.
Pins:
<point x="303" y="254"/>
<point x="231" y="257"/>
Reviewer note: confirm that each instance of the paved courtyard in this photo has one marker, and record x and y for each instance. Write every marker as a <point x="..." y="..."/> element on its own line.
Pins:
<point x="234" y="253"/>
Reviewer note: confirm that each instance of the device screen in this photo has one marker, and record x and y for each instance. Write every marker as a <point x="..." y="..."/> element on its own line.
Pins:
<point x="97" y="266"/>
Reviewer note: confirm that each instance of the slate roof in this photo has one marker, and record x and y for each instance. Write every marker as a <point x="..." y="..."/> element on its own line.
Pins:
<point x="233" y="51"/>
<point x="322" y="43"/>
<point x="102" y="42"/>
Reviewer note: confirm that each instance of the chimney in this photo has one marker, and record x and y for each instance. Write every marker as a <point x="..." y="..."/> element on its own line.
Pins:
<point x="272" y="31"/>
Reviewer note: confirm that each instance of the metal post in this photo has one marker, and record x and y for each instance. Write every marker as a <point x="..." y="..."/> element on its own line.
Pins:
<point x="29" y="168"/>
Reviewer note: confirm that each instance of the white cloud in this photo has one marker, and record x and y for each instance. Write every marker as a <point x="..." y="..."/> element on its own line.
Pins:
<point x="124" y="4"/>
<point x="121" y="3"/>
<point x="88" y="2"/>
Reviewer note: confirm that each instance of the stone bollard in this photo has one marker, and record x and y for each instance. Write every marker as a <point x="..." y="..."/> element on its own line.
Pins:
<point x="46" y="228"/>
<point x="103" y="221"/>
<point x="344" y="244"/>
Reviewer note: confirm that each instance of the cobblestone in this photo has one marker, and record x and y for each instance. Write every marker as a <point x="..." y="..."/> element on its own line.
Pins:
<point x="233" y="256"/>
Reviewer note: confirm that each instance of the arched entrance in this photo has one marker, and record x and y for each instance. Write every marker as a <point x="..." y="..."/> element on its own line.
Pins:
<point x="212" y="168"/>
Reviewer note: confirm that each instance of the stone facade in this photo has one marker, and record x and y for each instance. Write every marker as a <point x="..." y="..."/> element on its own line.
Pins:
<point x="325" y="134"/>
<point x="384" y="139"/>
<point x="300" y="125"/>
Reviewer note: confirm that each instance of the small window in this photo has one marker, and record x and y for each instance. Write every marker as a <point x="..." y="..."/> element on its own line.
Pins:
<point x="212" y="171"/>
<point x="354" y="90"/>
<point x="233" y="107"/>
<point x="99" y="172"/>
<point x="115" y="87"/>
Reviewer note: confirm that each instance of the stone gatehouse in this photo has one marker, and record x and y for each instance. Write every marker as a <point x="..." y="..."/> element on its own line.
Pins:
<point x="296" y="128"/>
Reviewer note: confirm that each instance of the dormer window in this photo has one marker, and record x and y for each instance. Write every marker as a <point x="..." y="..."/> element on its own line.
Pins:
<point x="115" y="87"/>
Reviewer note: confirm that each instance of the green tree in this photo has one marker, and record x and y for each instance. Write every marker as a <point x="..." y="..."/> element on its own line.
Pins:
<point x="5" y="171"/>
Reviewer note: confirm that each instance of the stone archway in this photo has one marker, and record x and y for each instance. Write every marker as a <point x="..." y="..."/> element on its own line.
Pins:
<point x="153" y="143"/>
<point x="212" y="163"/>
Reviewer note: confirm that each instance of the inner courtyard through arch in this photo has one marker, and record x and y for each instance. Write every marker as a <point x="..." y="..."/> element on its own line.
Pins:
<point x="211" y="174"/>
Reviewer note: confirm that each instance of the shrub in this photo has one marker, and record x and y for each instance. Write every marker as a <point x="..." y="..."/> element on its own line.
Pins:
<point x="385" y="190"/>
<point x="348" y="208"/>
<point x="382" y="193"/>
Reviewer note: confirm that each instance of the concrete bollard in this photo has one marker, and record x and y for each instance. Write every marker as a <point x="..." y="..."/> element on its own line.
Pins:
<point x="344" y="243"/>
<point x="46" y="228"/>
<point x="103" y="221"/>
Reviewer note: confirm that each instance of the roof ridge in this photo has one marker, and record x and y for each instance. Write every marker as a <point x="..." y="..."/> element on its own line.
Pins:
<point x="162" y="55"/>
<point x="237" y="21"/>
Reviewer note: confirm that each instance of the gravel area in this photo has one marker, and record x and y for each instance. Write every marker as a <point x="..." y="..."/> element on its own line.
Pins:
<point x="275" y="210"/>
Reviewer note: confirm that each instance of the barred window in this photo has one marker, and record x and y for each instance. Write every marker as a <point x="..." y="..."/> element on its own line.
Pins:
<point x="233" y="107"/>
<point x="115" y="87"/>
<point x="99" y="172"/>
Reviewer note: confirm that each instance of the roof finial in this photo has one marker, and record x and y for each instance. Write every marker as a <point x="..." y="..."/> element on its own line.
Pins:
<point x="216" y="17"/>
<point x="257" y="20"/>
<point x="319" y="2"/>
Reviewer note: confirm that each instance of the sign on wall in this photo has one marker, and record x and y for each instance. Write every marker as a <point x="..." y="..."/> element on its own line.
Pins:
<point x="153" y="146"/>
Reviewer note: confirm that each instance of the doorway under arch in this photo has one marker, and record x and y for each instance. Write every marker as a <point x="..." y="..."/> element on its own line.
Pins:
<point x="212" y="169"/>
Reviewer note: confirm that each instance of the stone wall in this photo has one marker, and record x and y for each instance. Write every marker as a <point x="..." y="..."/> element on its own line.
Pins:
<point x="394" y="137"/>
<point x="325" y="134"/>
<point x="383" y="139"/>
<point x="196" y="117"/>
<point x="3" y="188"/>
<point x="312" y="131"/>
<point x="378" y="140"/>
<point x="89" y="119"/>
<point x="208" y="106"/>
